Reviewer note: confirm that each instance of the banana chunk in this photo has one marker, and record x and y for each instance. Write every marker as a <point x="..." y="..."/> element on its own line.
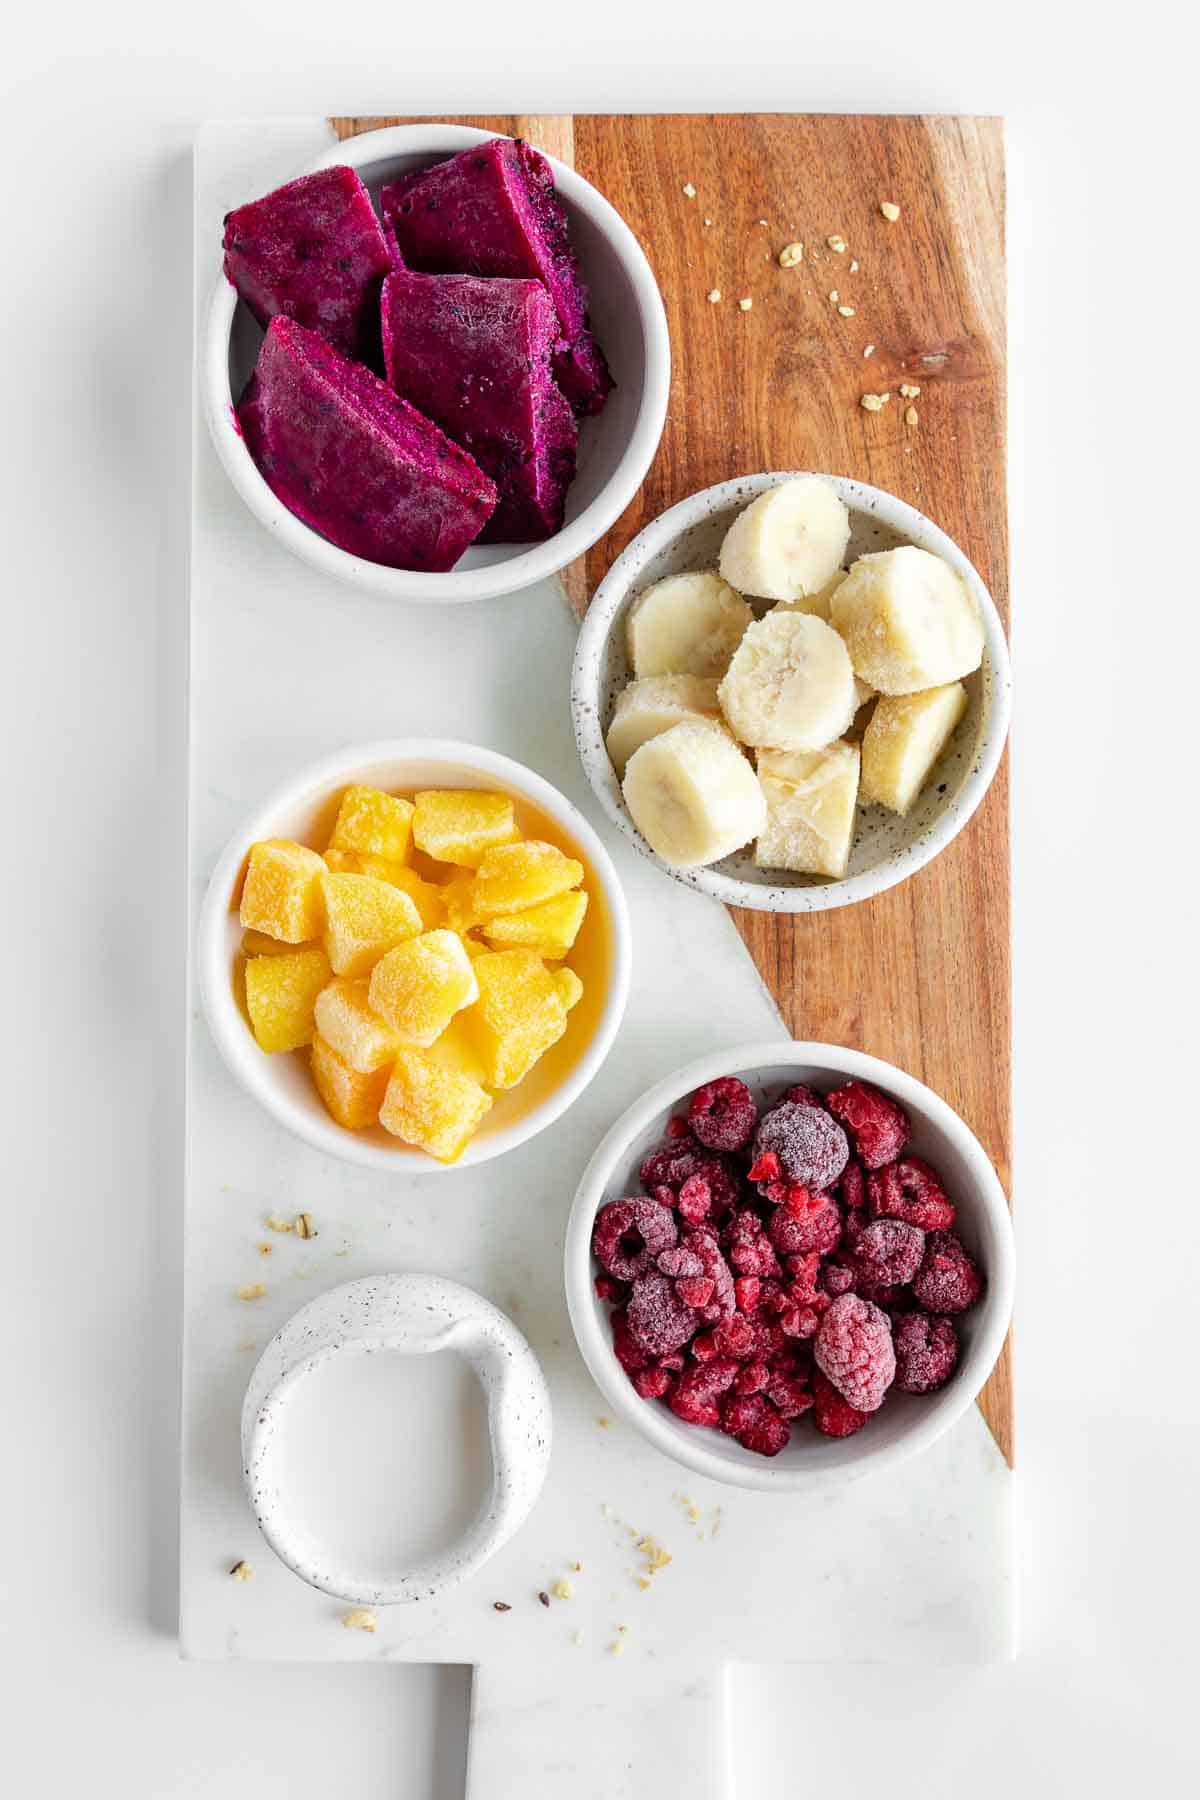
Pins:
<point x="903" y="741"/>
<point x="686" y="625"/>
<point x="810" y="797"/>
<point x="908" y="621"/>
<point x="655" y="703"/>
<point x="790" y="685"/>
<point x="817" y="603"/>
<point x="789" y="542"/>
<point x="693" y="795"/>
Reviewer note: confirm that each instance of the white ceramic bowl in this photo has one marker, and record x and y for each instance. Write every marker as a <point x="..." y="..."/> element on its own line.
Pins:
<point x="305" y="810"/>
<point x="907" y="1423"/>
<point x="615" y="449"/>
<point x="887" y="849"/>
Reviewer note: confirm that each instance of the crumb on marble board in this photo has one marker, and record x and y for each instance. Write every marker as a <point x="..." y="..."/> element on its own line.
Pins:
<point x="361" y="1618"/>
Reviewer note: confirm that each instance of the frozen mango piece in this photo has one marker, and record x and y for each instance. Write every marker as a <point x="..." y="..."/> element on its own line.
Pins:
<point x="550" y="929"/>
<point x="474" y="946"/>
<point x="281" y="994"/>
<point x="433" y="1107"/>
<point x="419" y="986"/>
<point x="374" y="824"/>
<point x="520" y="1012"/>
<point x="907" y="734"/>
<point x="363" y="919"/>
<point x="281" y="895"/>
<point x="810" y="797"/>
<point x="515" y="877"/>
<point x="460" y="907"/>
<point x="569" y="986"/>
<point x="460" y="826"/>
<point x="352" y="1098"/>
<point x="345" y="1020"/>
<point x="257" y="943"/>
<point x="426" y="896"/>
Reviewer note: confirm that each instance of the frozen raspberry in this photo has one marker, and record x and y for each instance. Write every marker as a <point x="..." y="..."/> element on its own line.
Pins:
<point x="789" y="1395"/>
<point x="695" y="1290"/>
<point x="629" y="1234"/>
<point x="833" y="1416"/>
<point x="705" y="1245"/>
<point x="793" y="1236"/>
<point x="769" y="1340"/>
<point x="912" y="1191"/>
<point x="747" y="1290"/>
<point x="853" y="1187"/>
<point x="626" y="1349"/>
<point x="752" y="1378"/>
<point x="755" y="1424"/>
<point x="698" y="1390"/>
<point x="651" y="1384"/>
<point x="753" y="1256"/>
<point x="926" y="1352"/>
<point x="679" y="1260"/>
<point x="678" y="1127"/>
<point x="947" y="1281"/>
<point x="674" y="1164"/>
<point x="888" y="1251"/>
<point x="802" y="1273"/>
<point x="695" y="1200"/>
<point x="799" y="1321"/>
<point x="658" y="1320"/>
<point x="676" y="1362"/>
<point x="703" y="1346"/>
<point x="609" y="1288"/>
<point x="877" y="1127"/>
<point x="853" y="1226"/>
<point x="854" y="1349"/>
<point x="765" y="1168"/>
<point x="735" y="1337"/>
<point x="838" y="1279"/>
<point x="722" y="1114"/>
<point x="812" y="1148"/>
<point x="803" y="1096"/>
<point x="884" y="1294"/>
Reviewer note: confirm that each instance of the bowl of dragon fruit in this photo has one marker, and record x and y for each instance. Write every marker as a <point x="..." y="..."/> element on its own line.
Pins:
<point x="437" y="363"/>
<point x="790" y="1264"/>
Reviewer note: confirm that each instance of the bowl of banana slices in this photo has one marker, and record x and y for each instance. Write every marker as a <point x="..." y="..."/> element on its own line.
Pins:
<point x="791" y="691"/>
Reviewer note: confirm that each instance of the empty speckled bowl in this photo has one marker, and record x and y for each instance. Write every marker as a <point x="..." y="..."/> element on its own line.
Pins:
<point x="398" y="1315"/>
<point x="887" y="849"/>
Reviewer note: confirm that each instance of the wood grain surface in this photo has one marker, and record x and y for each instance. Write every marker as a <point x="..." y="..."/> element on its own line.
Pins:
<point x="921" y="975"/>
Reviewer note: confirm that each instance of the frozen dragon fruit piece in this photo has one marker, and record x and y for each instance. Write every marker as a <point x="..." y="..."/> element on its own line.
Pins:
<point x="475" y="356"/>
<point x="358" y="464"/>
<point x="492" y="210"/>
<point x="314" y="251"/>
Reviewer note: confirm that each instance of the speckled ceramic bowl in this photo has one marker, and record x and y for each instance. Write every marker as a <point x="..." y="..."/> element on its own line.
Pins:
<point x="398" y="1315"/>
<point x="887" y="849"/>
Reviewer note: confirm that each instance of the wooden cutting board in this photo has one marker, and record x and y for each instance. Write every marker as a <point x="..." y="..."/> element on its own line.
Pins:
<point x="921" y="975"/>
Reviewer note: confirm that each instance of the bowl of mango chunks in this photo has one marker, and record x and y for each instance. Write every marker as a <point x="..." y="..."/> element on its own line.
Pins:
<point x="415" y="956"/>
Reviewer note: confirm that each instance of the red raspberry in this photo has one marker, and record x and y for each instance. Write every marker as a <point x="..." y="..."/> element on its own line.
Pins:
<point x="651" y="1384"/>
<point x="658" y="1319"/>
<point x="801" y="1200"/>
<point x="626" y="1348"/>
<point x="803" y="1270"/>
<point x="803" y="1096"/>
<point x="676" y="1362"/>
<point x="722" y="1114"/>
<point x="812" y="1148"/>
<point x="926" y="1352"/>
<point x="853" y="1186"/>
<point x="673" y="1164"/>
<point x="629" y="1234"/>
<point x="735" y="1337"/>
<point x="794" y="1236"/>
<point x="695" y="1200"/>
<point x="878" y="1128"/>
<point x="747" y="1290"/>
<point x="947" y="1281"/>
<point x="677" y="1127"/>
<point x="696" y="1393"/>
<point x="609" y="1288"/>
<point x="912" y="1191"/>
<point x="838" y="1279"/>
<point x="755" y="1424"/>
<point x="752" y="1378"/>
<point x="887" y="1251"/>
<point x="765" y="1168"/>
<point x="833" y="1416"/>
<point x="707" y="1249"/>
<point x="799" y="1321"/>
<point x="789" y="1395"/>
<point x="679" y="1260"/>
<point x="695" y="1290"/>
<point x="703" y="1347"/>
<point x="854" y="1349"/>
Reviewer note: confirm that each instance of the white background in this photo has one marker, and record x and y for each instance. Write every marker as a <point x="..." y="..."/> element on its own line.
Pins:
<point x="99" y="106"/>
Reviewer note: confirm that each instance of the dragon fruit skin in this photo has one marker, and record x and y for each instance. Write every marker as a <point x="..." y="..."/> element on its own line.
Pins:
<point x="474" y="355"/>
<point x="355" y="462"/>
<point x="492" y="210"/>
<point x="314" y="251"/>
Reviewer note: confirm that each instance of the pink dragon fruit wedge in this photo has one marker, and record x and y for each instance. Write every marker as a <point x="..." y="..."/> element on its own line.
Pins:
<point x="315" y="252"/>
<point x="356" y="463"/>
<point x="492" y="210"/>
<point x="475" y="356"/>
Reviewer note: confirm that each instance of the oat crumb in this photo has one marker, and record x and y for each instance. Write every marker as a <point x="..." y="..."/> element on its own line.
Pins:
<point x="266" y="1249"/>
<point x="275" y="1223"/>
<point x="656" y="1557"/>
<point x="714" y="294"/>
<point x="603" y="1423"/>
<point x="361" y="1619"/>
<point x="790" y="255"/>
<point x="304" y="1226"/>
<point x="562" y="1590"/>
<point x="745" y="303"/>
<point x="854" y="266"/>
<point x="847" y="312"/>
<point x="708" y="221"/>
<point x="643" y="1582"/>
<point x="869" y="351"/>
<point x="689" y="190"/>
<point x="241" y="1571"/>
<point x="617" y="1647"/>
<point x="577" y="1568"/>
<point x="833" y="298"/>
<point x="837" y="244"/>
<point x="910" y="416"/>
<point x="251" y="1290"/>
<point x="890" y="211"/>
<point x="908" y="391"/>
<point x="872" y="403"/>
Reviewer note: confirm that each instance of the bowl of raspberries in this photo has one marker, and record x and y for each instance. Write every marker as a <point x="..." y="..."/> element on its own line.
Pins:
<point x="790" y="1263"/>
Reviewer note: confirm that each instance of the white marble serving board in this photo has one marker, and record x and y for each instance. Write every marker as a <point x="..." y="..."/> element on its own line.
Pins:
<point x="287" y="666"/>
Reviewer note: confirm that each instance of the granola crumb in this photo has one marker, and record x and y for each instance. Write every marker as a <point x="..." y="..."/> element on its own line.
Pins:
<point x="745" y="303"/>
<point x="242" y="1571"/>
<point x="873" y="402"/>
<point x="266" y="1249"/>
<point x="577" y="1568"/>
<point x="689" y="190"/>
<point x="603" y="1423"/>
<point x="251" y="1290"/>
<point x="910" y="416"/>
<point x="890" y="211"/>
<point x="501" y="1606"/>
<point x="708" y="221"/>
<point x="869" y="351"/>
<point x="617" y="1647"/>
<point x="833" y="298"/>
<point x="714" y="294"/>
<point x="643" y="1581"/>
<point x="837" y="244"/>
<point x="847" y="312"/>
<point x="854" y="266"/>
<point x="908" y="391"/>
<point x="562" y="1590"/>
<point x="361" y="1619"/>
<point x="790" y="255"/>
<point x="304" y="1226"/>
<point x="656" y="1557"/>
<point x="275" y="1223"/>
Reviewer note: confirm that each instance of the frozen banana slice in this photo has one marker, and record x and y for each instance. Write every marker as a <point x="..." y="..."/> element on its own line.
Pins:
<point x="908" y="621"/>
<point x="790" y="685"/>
<point x="810" y="797"/>
<point x="693" y="796"/>
<point x="654" y="704"/>
<point x="907" y="734"/>
<point x="686" y="625"/>
<point x="789" y="542"/>
<point x="817" y="603"/>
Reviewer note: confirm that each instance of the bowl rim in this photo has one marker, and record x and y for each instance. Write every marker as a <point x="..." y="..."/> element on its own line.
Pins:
<point x="252" y="1068"/>
<point x="689" y="1446"/>
<point x="539" y="561"/>
<point x="599" y="622"/>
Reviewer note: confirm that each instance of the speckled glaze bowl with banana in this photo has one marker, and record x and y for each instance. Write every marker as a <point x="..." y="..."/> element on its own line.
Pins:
<point x="791" y="691"/>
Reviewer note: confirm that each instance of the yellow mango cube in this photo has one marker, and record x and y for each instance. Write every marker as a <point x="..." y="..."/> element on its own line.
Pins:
<point x="374" y="824"/>
<point x="364" y="918"/>
<point x="550" y="929"/>
<point x="458" y="826"/>
<point x="345" y="1020"/>
<point x="456" y="898"/>
<point x="281" y="995"/>
<point x="520" y="1012"/>
<point x="426" y="896"/>
<point x="433" y="1107"/>
<point x="419" y="986"/>
<point x="515" y="877"/>
<point x="351" y="1097"/>
<point x="257" y="943"/>
<point x="281" y="895"/>
<point x="570" y="988"/>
